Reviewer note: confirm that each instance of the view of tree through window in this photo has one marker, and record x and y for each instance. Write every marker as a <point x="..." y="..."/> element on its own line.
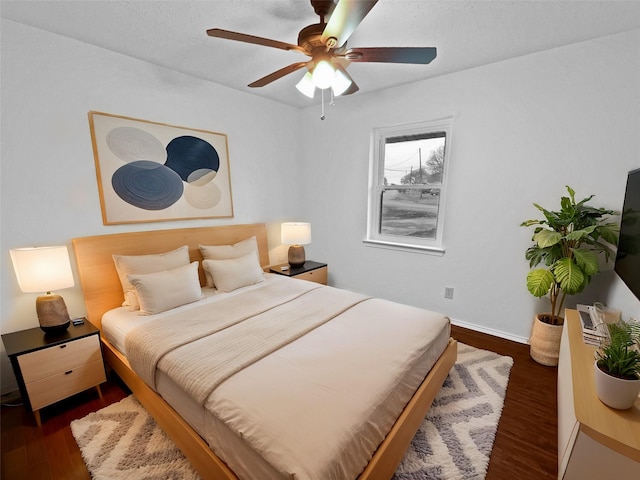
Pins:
<point x="411" y="163"/>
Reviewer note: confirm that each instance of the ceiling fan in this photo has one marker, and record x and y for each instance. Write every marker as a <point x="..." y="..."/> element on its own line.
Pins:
<point x="326" y="44"/>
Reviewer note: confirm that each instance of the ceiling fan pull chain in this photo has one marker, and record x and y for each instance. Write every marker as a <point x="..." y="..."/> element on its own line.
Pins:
<point x="322" y="113"/>
<point x="332" y="102"/>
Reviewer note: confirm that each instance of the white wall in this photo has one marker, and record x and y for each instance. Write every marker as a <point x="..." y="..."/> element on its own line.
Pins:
<point x="523" y="129"/>
<point x="49" y="193"/>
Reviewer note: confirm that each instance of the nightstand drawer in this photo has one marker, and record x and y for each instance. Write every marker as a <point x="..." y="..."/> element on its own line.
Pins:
<point x="319" y="275"/>
<point x="48" y="390"/>
<point x="59" y="358"/>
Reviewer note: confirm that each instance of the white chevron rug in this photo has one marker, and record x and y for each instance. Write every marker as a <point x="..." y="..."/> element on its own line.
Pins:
<point x="122" y="441"/>
<point x="455" y="440"/>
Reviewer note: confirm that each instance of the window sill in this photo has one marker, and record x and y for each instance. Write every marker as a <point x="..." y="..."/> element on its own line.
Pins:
<point x="438" y="251"/>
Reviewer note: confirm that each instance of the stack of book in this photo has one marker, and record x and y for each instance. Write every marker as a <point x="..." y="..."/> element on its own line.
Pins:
<point x="593" y="337"/>
<point x="592" y="331"/>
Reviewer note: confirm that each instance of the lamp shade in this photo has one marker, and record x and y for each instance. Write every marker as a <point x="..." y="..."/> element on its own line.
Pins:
<point x="340" y="83"/>
<point x="306" y="85"/>
<point x="296" y="233"/>
<point x="42" y="269"/>
<point x="323" y="74"/>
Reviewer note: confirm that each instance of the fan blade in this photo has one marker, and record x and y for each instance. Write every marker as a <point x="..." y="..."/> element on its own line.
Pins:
<point x="346" y="16"/>
<point x="278" y="74"/>
<point x="416" y="55"/>
<point x="243" y="37"/>
<point x="352" y="89"/>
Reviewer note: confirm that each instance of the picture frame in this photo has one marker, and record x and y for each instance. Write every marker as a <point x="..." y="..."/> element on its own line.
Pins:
<point x="155" y="172"/>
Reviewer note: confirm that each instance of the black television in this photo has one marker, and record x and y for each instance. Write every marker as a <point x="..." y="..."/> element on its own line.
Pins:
<point x="627" y="264"/>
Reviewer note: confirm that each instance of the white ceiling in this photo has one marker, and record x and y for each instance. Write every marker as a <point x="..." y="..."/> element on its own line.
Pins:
<point x="466" y="33"/>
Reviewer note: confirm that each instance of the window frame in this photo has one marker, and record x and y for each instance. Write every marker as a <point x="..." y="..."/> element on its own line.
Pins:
<point x="379" y="138"/>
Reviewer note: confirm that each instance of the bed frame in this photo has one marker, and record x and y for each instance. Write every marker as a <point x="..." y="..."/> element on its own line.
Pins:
<point x="102" y="291"/>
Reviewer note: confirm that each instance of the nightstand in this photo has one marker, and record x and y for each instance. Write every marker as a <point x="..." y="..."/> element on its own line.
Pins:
<point x="312" y="271"/>
<point x="50" y="368"/>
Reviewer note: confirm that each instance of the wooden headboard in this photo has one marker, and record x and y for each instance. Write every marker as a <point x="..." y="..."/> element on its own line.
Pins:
<point x="100" y="283"/>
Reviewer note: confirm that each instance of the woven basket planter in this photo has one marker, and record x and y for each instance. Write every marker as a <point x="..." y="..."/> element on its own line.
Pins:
<point x="545" y="342"/>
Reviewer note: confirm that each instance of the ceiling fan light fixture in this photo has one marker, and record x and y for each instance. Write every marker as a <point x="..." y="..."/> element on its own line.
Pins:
<point x="340" y="83"/>
<point x="306" y="85"/>
<point x="323" y="75"/>
<point x="326" y="43"/>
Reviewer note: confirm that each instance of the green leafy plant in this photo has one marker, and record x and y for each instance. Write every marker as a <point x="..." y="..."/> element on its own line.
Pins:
<point x="619" y="356"/>
<point x="567" y="242"/>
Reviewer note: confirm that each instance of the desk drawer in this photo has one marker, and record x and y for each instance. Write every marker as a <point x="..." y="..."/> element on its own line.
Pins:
<point x="59" y="358"/>
<point x="48" y="390"/>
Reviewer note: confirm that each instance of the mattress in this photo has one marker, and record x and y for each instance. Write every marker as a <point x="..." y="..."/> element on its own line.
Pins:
<point x="318" y="407"/>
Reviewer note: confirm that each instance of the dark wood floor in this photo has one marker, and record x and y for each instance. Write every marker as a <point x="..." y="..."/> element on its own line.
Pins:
<point x="525" y="446"/>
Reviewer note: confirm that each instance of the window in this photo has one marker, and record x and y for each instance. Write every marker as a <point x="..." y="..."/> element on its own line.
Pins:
<point x="408" y="185"/>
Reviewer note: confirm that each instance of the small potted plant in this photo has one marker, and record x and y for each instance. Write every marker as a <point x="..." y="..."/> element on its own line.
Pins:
<point x="617" y="367"/>
<point x="566" y="245"/>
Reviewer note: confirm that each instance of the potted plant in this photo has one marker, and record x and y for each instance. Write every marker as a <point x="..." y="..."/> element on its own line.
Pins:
<point x="565" y="252"/>
<point x="617" y="367"/>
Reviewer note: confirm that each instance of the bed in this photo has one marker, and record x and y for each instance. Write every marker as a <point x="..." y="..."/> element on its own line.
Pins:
<point x="251" y="421"/>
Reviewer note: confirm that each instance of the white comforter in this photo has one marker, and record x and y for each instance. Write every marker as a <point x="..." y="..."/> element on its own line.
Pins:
<point x="318" y="407"/>
<point x="238" y="332"/>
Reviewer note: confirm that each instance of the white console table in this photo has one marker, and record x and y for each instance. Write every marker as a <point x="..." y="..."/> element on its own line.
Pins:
<point x="594" y="441"/>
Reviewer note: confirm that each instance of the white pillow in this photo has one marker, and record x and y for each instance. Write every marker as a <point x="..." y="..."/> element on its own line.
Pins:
<point x="234" y="272"/>
<point x="225" y="252"/>
<point x="136" y="264"/>
<point x="161" y="291"/>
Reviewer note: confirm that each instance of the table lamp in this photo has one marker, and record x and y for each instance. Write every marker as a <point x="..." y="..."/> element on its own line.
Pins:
<point x="43" y="269"/>
<point x="296" y="234"/>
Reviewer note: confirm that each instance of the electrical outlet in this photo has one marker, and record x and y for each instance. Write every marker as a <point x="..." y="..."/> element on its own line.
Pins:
<point x="448" y="292"/>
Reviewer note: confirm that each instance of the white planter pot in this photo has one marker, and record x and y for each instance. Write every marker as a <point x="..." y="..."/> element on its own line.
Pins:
<point x="616" y="392"/>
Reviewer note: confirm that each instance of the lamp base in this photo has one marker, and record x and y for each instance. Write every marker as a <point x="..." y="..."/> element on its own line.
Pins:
<point x="52" y="313"/>
<point x="296" y="255"/>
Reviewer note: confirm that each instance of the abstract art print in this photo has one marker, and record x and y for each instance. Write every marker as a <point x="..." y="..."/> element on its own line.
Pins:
<point x="154" y="172"/>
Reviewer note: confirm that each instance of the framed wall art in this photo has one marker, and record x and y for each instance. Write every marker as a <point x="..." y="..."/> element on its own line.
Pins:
<point x="154" y="172"/>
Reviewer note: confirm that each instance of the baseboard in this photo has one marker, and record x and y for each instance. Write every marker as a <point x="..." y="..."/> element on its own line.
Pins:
<point x="489" y="331"/>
